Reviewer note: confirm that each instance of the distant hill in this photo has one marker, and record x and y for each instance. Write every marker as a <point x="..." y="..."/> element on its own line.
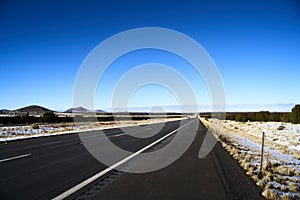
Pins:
<point x="77" y="110"/>
<point x="32" y="109"/>
<point x="4" y="111"/>
<point x="100" y="111"/>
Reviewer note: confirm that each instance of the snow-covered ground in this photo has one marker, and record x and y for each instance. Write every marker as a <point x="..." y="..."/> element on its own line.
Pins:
<point x="10" y="133"/>
<point x="280" y="176"/>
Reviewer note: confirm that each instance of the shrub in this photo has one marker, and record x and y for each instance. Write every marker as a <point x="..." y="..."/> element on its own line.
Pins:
<point x="241" y="117"/>
<point x="50" y="117"/>
<point x="296" y="114"/>
<point x="263" y="116"/>
<point x="35" y="126"/>
<point x="280" y="128"/>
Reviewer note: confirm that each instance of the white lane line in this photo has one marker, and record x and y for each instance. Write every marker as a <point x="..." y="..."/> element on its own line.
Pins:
<point x="15" y="157"/>
<point x="117" y="135"/>
<point x="96" y="176"/>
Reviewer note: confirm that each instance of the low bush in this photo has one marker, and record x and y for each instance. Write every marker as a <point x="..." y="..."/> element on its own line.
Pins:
<point x="35" y="126"/>
<point x="280" y="128"/>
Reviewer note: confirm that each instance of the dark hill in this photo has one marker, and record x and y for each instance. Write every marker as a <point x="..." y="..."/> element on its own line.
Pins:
<point x="4" y="111"/>
<point x="77" y="110"/>
<point x="100" y="111"/>
<point x="32" y="109"/>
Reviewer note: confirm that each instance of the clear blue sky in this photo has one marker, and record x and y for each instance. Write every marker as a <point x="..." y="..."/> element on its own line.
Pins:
<point x="255" y="45"/>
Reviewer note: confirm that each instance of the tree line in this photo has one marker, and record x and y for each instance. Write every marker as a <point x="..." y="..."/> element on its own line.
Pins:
<point x="263" y="116"/>
<point x="50" y="117"/>
<point x="266" y="116"/>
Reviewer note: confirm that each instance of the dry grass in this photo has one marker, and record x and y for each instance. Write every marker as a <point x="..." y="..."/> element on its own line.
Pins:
<point x="297" y="173"/>
<point x="294" y="188"/>
<point x="261" y="183"/>
<point x="255" y="178"/>
<point x="243" y="154"/>
<point x="247" y="166"/>
<point x="268" y="165"/>
<point x="67" y="129"/>
<point x="251" y="170"/>
<point x="294" y="143"/>
<point x="269" y="186"/>
<point x="268" y="176"/>
<point x="284" y="149"/>
<point x="248" y="157"/>
<point x="283" y="188"/>
<point x="284" y="170"/>
<point x="287" y="186"/>
<point x="286" y="197"/>
<point x="271" y="194"/>
<point x="233" y="151"/>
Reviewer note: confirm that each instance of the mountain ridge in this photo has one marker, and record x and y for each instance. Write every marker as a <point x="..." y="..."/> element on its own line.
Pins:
<point x="279" y="107"/>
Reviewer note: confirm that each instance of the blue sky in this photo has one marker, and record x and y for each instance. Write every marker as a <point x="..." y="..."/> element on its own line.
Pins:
<point x="255" y="45"/>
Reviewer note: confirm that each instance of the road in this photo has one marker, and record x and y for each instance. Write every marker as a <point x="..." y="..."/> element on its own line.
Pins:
<point x="46" y="167"/>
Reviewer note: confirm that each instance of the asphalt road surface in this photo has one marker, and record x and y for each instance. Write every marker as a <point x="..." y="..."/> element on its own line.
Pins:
<point x="46" y="167"/>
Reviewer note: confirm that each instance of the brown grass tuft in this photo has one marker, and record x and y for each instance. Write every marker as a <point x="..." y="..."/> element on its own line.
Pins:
<point x="251" y="170"/>
<point x="268" y="165"/>
<point x="261" y="183"/>
<point x="233" y="151"/>
<point x="284" y="170"/>
<point x="283" y="188"/>
<point x="268" y="176"/>
<point x="255" y="178"/>
<point x="243" y="154"/>
<point x="248" y="157"/>
<point x="294" y="188"/>
<point x="271" y="194"/>
<point x="286" y="197"/>
<point x="269" y="186"/>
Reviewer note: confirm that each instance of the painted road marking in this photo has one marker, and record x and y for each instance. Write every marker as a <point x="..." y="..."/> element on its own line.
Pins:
<point x="15" y="157"/>
<point x="117" y="135"/>
<point x="96" y="176"/>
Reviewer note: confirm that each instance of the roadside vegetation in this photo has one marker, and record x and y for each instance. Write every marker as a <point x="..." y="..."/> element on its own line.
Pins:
<point x="279" y="177"/>
<point x="263" y="116"/>
<point x="51" y="117"/>
<point x="296" y="115"/>
<point x="240" y="134"/>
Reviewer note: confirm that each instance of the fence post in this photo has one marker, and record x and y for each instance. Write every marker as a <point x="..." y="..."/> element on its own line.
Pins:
<point x="262" y="150"/>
